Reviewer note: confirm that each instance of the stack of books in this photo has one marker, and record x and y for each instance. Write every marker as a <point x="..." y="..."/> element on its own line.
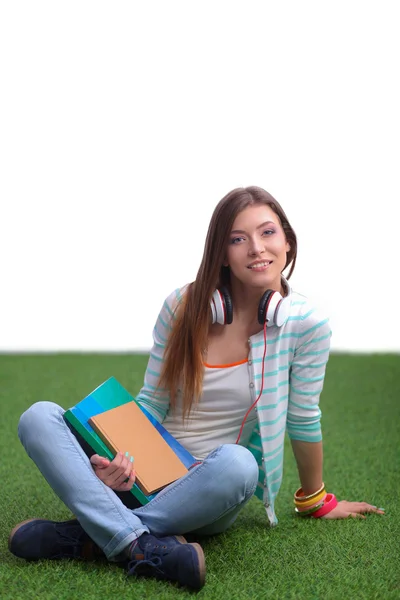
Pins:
<point x="110" y="420"/>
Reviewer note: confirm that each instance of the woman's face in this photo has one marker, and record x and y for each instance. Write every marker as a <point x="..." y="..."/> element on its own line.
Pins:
<point x="256" y="253"/>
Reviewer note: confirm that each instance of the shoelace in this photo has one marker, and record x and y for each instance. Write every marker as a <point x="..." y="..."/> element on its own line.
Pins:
<point x="149" y="559"/>
<point x="134" y="564"/>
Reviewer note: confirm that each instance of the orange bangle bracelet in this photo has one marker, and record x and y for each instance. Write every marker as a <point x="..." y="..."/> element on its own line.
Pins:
<point x="300" y="497"/>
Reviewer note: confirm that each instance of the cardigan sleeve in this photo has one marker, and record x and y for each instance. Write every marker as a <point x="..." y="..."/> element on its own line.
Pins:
<point x="306" y="377"/>
<point x="153" y="398"/>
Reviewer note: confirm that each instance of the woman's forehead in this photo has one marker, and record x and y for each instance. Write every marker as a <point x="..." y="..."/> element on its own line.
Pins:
<point x="253" y="215"/>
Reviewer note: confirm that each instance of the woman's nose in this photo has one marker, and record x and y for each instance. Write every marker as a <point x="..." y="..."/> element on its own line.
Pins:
<point x="256" y="247"/>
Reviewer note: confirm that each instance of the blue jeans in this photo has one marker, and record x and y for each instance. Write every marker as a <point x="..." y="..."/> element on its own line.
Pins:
<point x="206" y="500"/>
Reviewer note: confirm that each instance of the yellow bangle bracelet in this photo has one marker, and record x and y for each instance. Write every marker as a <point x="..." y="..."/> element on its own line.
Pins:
<point x="300" y="497"/>
<point x="312" y="501"/>
<point x="307" y="505"/>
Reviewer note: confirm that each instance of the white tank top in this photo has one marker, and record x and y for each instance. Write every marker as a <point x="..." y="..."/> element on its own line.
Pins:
<point x="217" y="418"/>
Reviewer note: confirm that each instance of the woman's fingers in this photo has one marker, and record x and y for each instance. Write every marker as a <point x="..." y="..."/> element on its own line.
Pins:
<point x="99" y="461"/>
<point x="126" y="486"/>
<point x="116" y="464"/>
<point x="368" y="508"/>
<point x="117" y="472"/>
<point x="345" y="509"/>
<point x="122" y="475"/>
<point x="364" y="507"/>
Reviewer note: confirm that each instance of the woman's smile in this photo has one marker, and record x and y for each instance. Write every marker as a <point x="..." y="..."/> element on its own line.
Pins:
<point x="260" y="266"/>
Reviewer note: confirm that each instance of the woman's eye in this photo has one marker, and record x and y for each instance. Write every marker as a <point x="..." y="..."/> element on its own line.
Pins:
<point x="236" y="240"/>
<point x="268" y="232"/>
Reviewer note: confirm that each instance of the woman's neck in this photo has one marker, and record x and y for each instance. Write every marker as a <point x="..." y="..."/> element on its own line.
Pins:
<point x="246" y="301"/>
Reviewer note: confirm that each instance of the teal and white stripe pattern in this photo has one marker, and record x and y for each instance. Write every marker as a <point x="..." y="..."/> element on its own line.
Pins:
<point x="294" y="370"/>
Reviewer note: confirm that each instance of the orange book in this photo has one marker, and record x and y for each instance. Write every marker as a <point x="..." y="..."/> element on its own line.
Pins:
<point x="127" y="429"/>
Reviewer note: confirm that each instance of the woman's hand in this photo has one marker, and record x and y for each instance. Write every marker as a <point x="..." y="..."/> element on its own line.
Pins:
<point x="118" y="474"/>
<point x="345" y="509"/>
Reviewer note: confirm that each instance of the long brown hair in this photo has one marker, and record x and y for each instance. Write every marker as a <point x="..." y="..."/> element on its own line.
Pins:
<point x="183" y="358"/>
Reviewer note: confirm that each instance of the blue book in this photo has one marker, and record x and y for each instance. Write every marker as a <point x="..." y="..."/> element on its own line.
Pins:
<point x="107" y="396"/>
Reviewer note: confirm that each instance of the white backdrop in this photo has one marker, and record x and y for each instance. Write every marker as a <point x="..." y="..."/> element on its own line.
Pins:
<point x="124" y="123"/>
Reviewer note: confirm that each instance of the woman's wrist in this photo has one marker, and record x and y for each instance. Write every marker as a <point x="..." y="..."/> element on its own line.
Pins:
<point x="300" y="496"/>
<point x="303" y="502"/>
<point x="317" y="504"/>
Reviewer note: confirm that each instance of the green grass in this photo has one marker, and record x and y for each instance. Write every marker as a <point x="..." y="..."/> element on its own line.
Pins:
<point x="300" y="559"/>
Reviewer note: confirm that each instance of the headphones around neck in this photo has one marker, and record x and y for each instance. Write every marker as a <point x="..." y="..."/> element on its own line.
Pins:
<point x="273" y="308"/>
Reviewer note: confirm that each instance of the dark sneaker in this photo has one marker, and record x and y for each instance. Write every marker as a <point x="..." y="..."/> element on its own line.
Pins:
<point x="168" y="558"/>
<point x="39" y="538"/>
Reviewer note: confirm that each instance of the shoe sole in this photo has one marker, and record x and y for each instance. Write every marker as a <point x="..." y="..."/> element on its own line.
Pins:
<point x="202" y="563"/>
<point x="200" y="557"/>
<point x="180" y="539"/>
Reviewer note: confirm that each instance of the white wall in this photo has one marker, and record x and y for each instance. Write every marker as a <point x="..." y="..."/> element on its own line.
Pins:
<point x="124" y="123"/>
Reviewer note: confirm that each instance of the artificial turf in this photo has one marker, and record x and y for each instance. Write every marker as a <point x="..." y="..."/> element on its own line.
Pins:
<point x="299" y="559"/>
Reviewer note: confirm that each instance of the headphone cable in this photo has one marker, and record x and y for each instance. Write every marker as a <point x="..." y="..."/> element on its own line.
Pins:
<point x="262" y="384"/>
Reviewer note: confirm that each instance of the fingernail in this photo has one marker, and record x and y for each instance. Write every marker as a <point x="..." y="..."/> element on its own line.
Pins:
<point x="126" y="453"/>
<point x="131" y="459"/>
<point x="381" y="509"/>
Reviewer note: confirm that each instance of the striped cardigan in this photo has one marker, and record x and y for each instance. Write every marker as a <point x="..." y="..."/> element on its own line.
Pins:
<point x="294" y="372"/>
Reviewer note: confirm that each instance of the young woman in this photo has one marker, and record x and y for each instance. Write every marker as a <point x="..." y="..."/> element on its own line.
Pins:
<point x="238" y="359"/>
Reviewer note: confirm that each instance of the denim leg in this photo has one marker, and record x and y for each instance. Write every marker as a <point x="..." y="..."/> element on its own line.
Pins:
<point x="58" y="455"/>
<point x="223" y="523"/>
<point x="207" y="499"/>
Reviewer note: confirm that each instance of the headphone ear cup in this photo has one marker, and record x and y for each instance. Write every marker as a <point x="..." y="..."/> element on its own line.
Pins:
<point x="282" y="311"/>
<point x="273" y="308"/>
<point x="263" y="306"/>
<point x="228" y="305"/>
<point x="221" y="307"/>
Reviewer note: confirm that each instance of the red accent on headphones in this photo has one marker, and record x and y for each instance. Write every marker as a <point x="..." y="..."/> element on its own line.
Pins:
<point x="262" y="385"/>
